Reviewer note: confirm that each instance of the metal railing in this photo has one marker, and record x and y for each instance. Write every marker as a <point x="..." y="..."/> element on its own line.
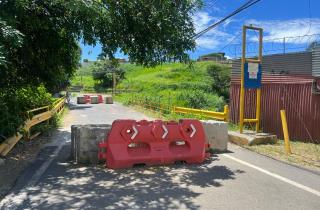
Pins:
<point x="34" y="118"/>
<point x="206" y="113"/>
<point x="157" y="106"/>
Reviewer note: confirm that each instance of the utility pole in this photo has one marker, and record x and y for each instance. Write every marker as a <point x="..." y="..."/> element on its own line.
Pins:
<point x="114" y="82"/>
<point x="284" y="45"/>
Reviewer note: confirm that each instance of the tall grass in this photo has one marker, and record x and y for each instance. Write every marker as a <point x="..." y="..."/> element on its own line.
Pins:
<point x="173" y="84"/>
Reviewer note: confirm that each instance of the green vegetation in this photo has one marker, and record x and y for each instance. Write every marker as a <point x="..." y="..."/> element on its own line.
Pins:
<point x="97" y="76"/>
<point x="39" y="44"/>
<point x="220" y="55"/>
<point x="15" y="102"/>
<point x="304" y="154"/>
<point x="174" y="84"/>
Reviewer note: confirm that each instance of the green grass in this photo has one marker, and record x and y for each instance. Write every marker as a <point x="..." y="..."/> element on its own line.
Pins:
<point x="303" y="154"/>
<point x="86" y="81"/>
<point x="173" y="84"/>
<point x="84" y="77"/>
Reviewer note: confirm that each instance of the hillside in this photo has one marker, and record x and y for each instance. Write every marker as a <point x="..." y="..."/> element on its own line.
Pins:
<point x="173" y="84"/>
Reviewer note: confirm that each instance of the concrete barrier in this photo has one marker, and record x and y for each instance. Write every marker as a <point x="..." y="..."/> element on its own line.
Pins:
<point x="85" y="140"/>
<point x="81" y="100"/>
<point x="94" y="99"/>
<point x="217" y="134"/>
<point x="108" y="100"/>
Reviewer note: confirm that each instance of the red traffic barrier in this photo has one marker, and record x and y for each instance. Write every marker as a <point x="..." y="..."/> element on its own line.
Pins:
<point x="131" y="143"/>
<point x="87" y="98"/>
<point x="100" y="99"/>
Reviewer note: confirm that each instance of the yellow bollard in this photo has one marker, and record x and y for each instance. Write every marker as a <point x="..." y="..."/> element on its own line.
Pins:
<point x="226" y="113"/>
<point x="285" y="132"/>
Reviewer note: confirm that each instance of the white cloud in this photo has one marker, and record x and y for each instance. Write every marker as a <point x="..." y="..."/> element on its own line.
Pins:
<point x="275" y="30"/>
<point x="202" y="20"/>
<point x="213" y="38"/>
<point x="207" y="42"/>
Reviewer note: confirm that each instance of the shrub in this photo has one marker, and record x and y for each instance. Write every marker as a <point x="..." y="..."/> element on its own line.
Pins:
<point x="200" y="100"/>
<point x="220" y="79"/>
<point x="15" y="102"/>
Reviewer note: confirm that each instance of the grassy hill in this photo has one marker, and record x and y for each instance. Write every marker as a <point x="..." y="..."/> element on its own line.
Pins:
<point x="84" y="77"/>
<point x="172" y="84"/>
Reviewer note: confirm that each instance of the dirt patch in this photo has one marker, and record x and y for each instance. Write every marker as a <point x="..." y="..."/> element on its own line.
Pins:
<point x="18" y="159"/>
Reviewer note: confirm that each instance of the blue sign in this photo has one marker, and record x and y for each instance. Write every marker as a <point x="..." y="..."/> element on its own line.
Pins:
<point x="252" y="75"/>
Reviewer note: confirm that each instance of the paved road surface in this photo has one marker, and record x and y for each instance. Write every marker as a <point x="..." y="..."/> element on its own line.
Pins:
<point x="239" y="179"/>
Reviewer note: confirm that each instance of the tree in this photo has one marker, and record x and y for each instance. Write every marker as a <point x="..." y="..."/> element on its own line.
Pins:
<point x="103" y="72"/>
<point x="220" y="79"/>
<point x="149" y="32"/>
<point x="10" y="39"/>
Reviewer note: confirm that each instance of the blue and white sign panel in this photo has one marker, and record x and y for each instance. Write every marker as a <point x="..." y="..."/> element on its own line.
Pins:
<point x="252" y="75"/>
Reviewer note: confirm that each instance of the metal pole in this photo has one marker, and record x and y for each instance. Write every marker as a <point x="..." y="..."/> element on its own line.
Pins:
<point x="243" y="59"/>
<point x="284" y="45"/>
<point x="258" y="104"/>
<point x="285" y="132"/>
<point x="114" y="82"/>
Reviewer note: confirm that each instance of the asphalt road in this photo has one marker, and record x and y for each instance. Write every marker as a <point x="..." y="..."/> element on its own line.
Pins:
<point x="239" y="179"/>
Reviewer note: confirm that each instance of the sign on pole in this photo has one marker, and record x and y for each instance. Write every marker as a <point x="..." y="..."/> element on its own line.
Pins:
<point x="252" y="75"/>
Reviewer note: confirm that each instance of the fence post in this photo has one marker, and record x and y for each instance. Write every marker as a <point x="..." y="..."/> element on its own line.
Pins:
<point x="285" y="132"/>
<point x="226" y="113"/>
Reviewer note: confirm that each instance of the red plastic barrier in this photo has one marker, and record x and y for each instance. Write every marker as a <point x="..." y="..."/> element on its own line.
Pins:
<point x="87" y="98"/>
<point x="100" y="99"/>
<point x="153" y="142"/>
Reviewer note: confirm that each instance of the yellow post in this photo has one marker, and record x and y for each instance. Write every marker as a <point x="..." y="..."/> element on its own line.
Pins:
<point x="243" y="59"/>
<point x="258" y="109"/>
<point x="285" y="132"/>
<point x="258" y="104"/>
<point x="226" y="113"/>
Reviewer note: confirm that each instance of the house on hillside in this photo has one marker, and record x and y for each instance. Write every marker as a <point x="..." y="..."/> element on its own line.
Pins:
<point x="289" y="81"/>
<point x="86" y="63"/>
<point x="220" y="56"/>
<point x="121" y="60"/>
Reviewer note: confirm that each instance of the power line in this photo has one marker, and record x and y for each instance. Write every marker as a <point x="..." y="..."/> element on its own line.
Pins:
<point x="229" y="43"/>
<point x="243" y="7"/>
<point x="211" y="4"/>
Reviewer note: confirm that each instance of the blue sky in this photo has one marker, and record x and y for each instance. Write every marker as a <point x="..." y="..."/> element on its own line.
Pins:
<point x="297" y="20"/>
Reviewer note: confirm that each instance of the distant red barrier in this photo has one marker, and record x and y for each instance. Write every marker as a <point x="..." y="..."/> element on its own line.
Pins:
<point x="100" y="99"/>
<point x="87" y="98"/>
<point x="133" y="143"/>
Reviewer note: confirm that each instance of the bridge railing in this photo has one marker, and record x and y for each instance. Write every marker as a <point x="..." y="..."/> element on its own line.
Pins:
<point x="206" y="113"/>
<point x="168" y="108"/>
<point x="35" y="116"/>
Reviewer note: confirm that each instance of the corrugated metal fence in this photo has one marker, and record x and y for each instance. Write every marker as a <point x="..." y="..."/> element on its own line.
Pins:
<point x="291" y="91"/>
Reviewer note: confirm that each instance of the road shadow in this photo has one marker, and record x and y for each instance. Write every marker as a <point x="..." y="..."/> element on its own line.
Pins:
<point x="77" y="107"/>
<point x="65" y="185"/>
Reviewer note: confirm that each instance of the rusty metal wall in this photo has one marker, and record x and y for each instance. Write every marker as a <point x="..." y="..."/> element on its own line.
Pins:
<point x="302" y="107"/>
<point x="316" y="62"/>
<point x="299" y="63"/>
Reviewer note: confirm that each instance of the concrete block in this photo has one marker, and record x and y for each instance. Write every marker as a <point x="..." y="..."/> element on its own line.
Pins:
<point x="85" y="140"/>
<point x="81" y="100"/>
<point x="216" y="134"/>
<point x="108" y="100"/>
<point x="94" y="99"/>
<point x="251" y="138"/>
